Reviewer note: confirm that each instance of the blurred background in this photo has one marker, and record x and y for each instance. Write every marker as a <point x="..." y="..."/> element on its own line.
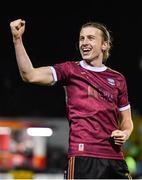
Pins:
<point x="50" y="37"/>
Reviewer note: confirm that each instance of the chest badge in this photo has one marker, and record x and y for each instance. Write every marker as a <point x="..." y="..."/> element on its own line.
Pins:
<point x="111" y="81"/>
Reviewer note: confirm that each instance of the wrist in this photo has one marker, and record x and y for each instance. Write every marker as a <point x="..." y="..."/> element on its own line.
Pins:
<point x="16" y="39"/>
<point x="127" y="133"/>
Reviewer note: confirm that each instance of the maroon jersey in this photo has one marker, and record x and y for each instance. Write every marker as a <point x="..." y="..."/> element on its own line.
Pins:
<point x="94" y="97"/>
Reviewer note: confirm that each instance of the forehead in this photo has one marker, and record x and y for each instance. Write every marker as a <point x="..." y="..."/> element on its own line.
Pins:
<point x="90" y="31"/>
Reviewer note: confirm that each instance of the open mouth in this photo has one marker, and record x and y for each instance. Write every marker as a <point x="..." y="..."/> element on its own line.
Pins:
<point x="86" y="51"/>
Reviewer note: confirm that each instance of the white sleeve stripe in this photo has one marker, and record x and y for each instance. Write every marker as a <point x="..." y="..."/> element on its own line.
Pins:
<point x="124" y="108"/>
<point x="53" y="73"/>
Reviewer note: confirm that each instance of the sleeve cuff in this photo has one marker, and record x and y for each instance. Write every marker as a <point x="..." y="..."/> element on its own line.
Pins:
<point x="54" y="73"/>
<point x="124" y="108"/>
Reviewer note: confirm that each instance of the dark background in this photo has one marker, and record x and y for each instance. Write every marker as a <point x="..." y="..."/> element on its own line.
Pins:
<point x="50" y="37"/>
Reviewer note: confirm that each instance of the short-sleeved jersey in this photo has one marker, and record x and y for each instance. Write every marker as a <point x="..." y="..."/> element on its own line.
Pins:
<point x="94" y="97"/>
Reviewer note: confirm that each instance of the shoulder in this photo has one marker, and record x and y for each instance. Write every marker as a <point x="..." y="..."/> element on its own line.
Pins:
<point x="72" y="63"/>
<point x="119" y="78"/>
<point x="116" y="73"/>
<point x="67" y="67"/>
<point x="68" y="64"/>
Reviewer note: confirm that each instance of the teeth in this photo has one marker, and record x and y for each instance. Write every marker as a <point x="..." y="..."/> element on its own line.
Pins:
<point x="86" y="49"/>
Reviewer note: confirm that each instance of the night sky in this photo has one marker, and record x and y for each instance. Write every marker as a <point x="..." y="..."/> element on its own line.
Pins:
<point x="50" y="37"/>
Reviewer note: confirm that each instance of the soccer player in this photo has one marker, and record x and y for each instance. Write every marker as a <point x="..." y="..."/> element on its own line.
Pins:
<point x="98" y="108"/>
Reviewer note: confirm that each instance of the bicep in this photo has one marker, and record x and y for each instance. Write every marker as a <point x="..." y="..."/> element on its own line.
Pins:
<point x="41" y="75"/>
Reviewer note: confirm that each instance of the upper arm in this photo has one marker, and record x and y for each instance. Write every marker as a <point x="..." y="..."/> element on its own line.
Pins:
<point x="41" y="75"/>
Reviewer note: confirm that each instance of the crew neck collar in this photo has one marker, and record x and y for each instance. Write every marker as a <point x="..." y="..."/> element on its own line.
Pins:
<point x="92" y="68"/>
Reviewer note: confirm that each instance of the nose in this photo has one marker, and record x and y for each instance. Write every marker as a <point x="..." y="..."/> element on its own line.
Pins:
<point x="85" y="41"/>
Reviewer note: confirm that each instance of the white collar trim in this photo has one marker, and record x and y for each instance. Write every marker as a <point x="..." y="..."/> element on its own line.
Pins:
<point x="92" y="68"/>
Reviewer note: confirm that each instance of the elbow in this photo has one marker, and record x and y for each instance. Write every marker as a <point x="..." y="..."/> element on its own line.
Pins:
<point x="26" y="78"/>
<point x="29" y="78"/>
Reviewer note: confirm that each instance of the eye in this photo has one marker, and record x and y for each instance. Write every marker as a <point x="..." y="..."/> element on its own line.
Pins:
<point x="91" y="38"/>
<point x="81" y="38"/>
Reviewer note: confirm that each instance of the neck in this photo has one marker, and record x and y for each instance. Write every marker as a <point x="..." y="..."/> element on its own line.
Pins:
<point x="95" y="63"/>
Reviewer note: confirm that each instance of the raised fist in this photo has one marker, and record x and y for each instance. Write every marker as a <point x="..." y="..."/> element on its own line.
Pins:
<point x="17" y="28"/>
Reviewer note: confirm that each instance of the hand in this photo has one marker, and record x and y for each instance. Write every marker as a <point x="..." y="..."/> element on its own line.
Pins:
<point x="17" y="28"/>
<point x="119" y="136"/>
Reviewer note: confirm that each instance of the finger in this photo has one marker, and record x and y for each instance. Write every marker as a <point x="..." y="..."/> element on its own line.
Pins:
<point x="119" y="141"/>
<point x="116" y="132"/>
<point x="119" y="144"/>
<point x="20" y="25"/>
<point x="118" y="136"/>
<point x="22" y="22"/>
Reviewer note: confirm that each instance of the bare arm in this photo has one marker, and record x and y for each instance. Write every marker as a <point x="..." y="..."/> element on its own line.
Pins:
<point x="126" y="128"/>
<point x="41" y="75"/>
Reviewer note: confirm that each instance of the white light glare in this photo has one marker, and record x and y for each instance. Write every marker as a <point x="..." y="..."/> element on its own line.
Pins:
<point x="5" y="130"/>
<point x="39" y="131"/>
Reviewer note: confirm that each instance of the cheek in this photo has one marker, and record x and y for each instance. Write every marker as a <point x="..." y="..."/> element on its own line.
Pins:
<point x="79" y="47"/>
<point x="79" y="44"/>
<point x="97" y="47"/>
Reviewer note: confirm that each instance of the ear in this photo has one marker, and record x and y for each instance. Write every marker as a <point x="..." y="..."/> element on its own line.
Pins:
<point x="104" y="46"/>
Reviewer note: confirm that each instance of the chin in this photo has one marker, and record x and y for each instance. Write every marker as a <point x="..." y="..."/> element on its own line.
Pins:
<point x="87" y="60"/>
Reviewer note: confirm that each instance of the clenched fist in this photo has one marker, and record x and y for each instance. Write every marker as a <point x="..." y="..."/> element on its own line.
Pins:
<point x="17" y="28"/>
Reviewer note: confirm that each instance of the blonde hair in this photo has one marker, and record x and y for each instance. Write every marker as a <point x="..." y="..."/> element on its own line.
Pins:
<point x="105" y="35"/>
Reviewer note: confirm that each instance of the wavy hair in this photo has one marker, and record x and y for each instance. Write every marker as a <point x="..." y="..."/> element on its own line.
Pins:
<point x="105" y="35"/>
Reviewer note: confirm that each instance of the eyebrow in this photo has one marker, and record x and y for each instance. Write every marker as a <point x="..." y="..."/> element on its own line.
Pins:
<point x="89" y="35"/>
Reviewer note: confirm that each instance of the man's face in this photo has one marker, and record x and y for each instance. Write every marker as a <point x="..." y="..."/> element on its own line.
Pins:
<point x="91" y="43"/>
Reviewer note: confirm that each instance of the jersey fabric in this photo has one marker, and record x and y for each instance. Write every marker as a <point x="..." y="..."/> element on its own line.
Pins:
<point x="94" y="97"/>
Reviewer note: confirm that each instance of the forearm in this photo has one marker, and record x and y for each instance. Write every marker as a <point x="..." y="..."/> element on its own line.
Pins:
<point x="127" y="127"/>
<point x="41" y="75"/>
<point x="122" y="134"/>
<point x="24" y="64"/>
